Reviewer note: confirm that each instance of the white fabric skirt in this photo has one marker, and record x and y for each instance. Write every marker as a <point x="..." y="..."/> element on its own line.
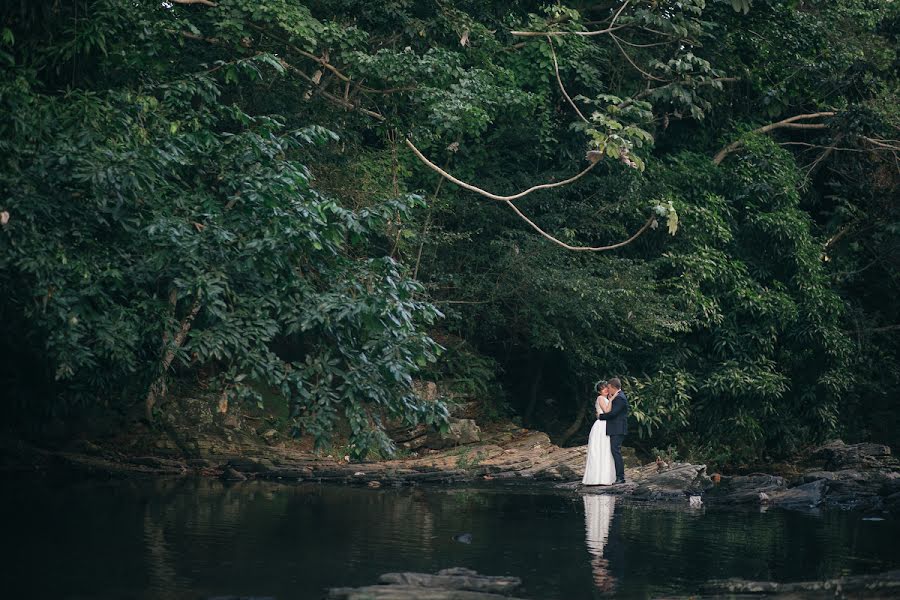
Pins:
<point x="600" y="468"/>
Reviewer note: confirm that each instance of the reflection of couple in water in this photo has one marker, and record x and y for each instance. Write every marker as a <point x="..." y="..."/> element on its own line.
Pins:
<point x="598" y="512"/>
<point x="604" y="466"/>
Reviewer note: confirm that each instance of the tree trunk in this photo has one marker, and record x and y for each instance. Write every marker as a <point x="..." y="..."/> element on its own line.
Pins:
<point x="537" y="369"/>
<point x="581" y="408"/>
<point x="157" y="391"/>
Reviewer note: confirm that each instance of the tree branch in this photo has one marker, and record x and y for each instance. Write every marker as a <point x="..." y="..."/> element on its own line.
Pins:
<point x="880" y="143"/>
<point x="789" y="123"/>
<point x="508" y="200"/>
<point x="825" y="154"/>
<point x="582" y="248"/>
<point x="203" y="2"/>
<point x="633" y="64"/>
<point x="486" y="194"/>
<point x="559" y="80"/>
<point x="612" y="27"/>
<point x="884" y="329"/>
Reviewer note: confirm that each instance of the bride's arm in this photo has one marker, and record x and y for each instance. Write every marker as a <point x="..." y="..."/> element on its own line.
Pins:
<point x="603" y="405"/>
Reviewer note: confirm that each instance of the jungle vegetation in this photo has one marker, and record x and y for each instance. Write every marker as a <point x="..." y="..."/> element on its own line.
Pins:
<point x="316" y="203"/>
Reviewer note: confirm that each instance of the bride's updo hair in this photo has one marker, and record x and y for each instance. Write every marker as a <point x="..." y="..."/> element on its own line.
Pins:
<point x="600" y="385"/>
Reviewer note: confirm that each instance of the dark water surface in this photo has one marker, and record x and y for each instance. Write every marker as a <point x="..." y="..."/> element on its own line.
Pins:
<point x="201" y="538"/>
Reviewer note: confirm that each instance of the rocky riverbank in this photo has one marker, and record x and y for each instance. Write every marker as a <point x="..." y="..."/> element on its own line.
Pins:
<point x="199" y="441"/>
<point x="836" y="475"/>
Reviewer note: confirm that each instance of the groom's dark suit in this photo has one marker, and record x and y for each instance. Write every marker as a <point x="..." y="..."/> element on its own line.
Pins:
<point x="616" y="428"/>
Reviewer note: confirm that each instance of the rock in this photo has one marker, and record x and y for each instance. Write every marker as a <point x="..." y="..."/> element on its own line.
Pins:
<point x="852" y="489"/>
<point x="232" y="421"/>
<point x="745" y="489"/>
<point x="465" y="410"/>
<point x="836" y="455"/>
<point x="892" y="503"/>
<point x="448" y="584"/>
<point x="410" y="438"/>
<point x="466" y="430"/>
<point x="154" y="461"/>
<point x="87" y="447"/>
<point x="695" y="502"/>
<point x="252" y="464"/>
<point x="374" y="484"/>
<point x="426" y="390"/>
<point x="675" y="482"/>
<point x="808" y="495"/>
<point x="457" y="578"/>
<point x="463" y="538"/>
<point x="816" y="476"/>
<point x="229" y="473"/>
<point x="884" y="585"/>
<point x="459" y="432"/>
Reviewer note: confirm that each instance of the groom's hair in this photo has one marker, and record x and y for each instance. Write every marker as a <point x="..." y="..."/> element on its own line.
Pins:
<point x="614" y="382"/>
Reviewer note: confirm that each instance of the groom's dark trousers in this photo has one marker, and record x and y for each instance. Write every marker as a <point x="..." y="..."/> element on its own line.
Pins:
<point x="615" y="442"/>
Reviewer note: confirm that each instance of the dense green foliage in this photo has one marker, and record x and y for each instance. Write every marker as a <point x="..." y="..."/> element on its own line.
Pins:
<point x="224" y="192"/>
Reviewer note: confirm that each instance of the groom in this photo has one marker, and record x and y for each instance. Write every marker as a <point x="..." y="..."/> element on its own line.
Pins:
<point x="616" y="425"/>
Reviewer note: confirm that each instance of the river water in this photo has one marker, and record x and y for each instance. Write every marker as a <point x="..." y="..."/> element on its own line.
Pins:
<point x="198" y="539"/>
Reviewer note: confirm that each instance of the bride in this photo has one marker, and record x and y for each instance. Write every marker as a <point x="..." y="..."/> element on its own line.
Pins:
<point x="600" y="468"/>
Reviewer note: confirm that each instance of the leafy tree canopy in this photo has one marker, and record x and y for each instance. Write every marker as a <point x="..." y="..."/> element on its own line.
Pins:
<point x="292" y="200"/>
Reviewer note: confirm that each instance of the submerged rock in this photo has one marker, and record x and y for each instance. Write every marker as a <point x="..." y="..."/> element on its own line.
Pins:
<point x="448" y="584"/>
<point x="229" y="473"/>
<point x="884" y="585"/>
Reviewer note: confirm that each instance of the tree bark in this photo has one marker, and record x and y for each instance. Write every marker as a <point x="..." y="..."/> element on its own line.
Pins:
<point x="537" y="369"/>
<point x="157" y="391"/>
<point x="789" y="123"/>
<point x="580" y="410"/>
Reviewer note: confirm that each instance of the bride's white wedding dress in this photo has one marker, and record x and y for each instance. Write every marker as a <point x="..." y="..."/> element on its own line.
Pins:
<point x="600" y="468"/>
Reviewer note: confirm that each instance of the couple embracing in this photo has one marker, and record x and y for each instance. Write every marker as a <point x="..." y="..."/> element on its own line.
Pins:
<point x="604" y="456"/>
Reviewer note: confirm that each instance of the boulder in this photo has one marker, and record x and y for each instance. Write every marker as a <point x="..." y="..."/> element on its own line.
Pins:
<point x="231" y="474"/>
<point x="808" y="495"/>
<point x="449" y="584"/>
<point x="459" y="432"/>
<point x="746" y="489"/>
<point x="836" y="456"/>
<point x="676" y="481"/>
<point x="411" y="438"/>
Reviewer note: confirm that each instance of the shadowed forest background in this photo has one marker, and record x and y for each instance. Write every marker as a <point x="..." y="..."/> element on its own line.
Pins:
<point x="218" y="198"/>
